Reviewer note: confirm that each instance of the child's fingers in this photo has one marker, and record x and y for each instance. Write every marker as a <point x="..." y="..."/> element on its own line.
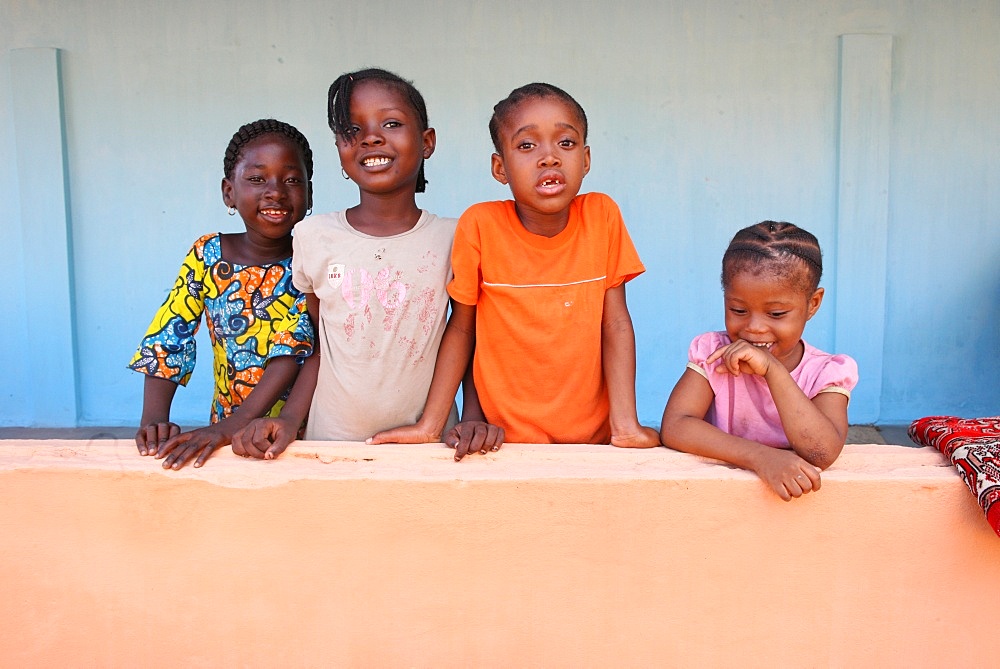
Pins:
<point x="205" y="454"/>
<point x="276" y="449"/>
<point x="494" y="437"/>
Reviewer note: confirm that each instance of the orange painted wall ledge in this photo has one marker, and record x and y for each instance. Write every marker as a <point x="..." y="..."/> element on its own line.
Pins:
<point x="341" y="554"/>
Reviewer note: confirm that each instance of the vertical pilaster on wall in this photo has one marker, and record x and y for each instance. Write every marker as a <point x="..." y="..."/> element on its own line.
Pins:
<point x="52" y="391"/>
<point x="863" y="212"/>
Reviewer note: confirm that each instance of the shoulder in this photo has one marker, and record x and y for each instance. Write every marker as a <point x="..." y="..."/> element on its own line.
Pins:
<point x="597" y="204"/>
<point x="706" y="344"/>
<point x="829" y="369"/>
<point x="207" y="248"/>
<point x="314" y="224"/>
<point x="486" y="210"/>
<point x="438" y="223"/>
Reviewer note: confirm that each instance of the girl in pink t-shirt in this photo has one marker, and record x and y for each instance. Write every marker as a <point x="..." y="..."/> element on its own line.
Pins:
<point x="757" y="395"/>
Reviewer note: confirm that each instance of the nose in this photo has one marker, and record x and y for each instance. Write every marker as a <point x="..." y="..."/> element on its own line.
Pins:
<point x="371" y="136"/>
<point x="549" y="158"/>
<point x="756" y="324"/>
<point x="276" y="189"/>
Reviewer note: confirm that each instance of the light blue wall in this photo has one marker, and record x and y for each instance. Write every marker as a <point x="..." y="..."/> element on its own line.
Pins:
<point x="706" y="116"/>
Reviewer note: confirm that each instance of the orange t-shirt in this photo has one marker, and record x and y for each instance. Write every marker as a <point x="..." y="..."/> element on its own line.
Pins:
<point x="539" y="303"/>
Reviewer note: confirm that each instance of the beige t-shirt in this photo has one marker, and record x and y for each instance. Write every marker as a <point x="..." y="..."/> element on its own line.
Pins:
<point x="383" y="309"/>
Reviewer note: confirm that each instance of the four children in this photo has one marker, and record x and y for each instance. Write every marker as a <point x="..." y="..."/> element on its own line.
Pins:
<point x="539" y="335"/>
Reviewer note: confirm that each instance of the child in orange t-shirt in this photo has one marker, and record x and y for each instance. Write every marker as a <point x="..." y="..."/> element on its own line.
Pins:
<point x="539" y="295"/>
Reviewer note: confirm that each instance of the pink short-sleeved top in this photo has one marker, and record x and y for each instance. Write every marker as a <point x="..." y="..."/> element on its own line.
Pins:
<point x="743" y="405"/>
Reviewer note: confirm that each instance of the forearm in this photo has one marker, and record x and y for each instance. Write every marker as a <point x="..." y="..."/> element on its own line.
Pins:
<point x="299" y="400"/>
<point x="618" y="359"/>
<point x="811" y="434"/>
<point x="472" y="410"/>
<point x="451" y="366"/>
<point x="279" y="373"/>
<point x="157" y="396"/>
<point x="699" y="437"/>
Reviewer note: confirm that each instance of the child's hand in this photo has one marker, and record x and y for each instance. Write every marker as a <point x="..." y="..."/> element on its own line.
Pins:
<point x="179" y="450"/>
<point x="788" y="475"/>
<point x="406" y="434"/>
<point x="149" y="438"/>
<point x="646" y="437"/>
<point x="473" y="436"/>
<point x="265" y="438"/>
<point x="742" y="356"/>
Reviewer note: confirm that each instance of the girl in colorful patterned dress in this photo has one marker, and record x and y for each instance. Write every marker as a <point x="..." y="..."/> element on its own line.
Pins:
<point x="757" y="395"/>
<point x="257" y="320"/>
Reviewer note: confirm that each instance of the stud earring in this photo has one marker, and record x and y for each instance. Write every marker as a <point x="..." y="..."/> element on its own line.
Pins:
<point x="309" y="211"/>
<point x="344" y="172"/>
<point x="232" y="211"/>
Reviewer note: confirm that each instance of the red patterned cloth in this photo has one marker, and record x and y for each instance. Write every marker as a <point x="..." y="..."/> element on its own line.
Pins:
<point x="973" y="446"/>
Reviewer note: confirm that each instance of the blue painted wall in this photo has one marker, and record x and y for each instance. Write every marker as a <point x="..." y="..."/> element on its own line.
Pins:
<point x="706" y="116"/>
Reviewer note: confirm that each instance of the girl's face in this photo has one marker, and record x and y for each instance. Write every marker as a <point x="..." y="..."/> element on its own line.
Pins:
<point x="770" y="312"/>
<point x="543" y="157"/>
<point x="388" y="145"/>
<point x="269" y="187"/>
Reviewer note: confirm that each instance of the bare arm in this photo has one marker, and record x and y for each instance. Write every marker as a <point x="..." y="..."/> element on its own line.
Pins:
<point x="451" y="366"/>
<point x="155" y="428"/>
<point x="684" y="428"/>
<point x="618" y="356"/>
<point x="179" y="450"/>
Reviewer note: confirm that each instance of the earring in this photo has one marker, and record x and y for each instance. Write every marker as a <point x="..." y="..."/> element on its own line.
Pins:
<point x="344" y="172"/>
<point x="232" y="211"/>
<point x="309" y="211"/>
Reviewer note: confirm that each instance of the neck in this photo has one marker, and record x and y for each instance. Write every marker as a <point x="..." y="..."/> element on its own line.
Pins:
<point x="538" y="223"/>
<point x="384" y="215"/>
<point x="246" y="249"/>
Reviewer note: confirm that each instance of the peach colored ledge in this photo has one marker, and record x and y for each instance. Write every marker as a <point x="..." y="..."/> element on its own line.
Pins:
<point x="348" y="555"/>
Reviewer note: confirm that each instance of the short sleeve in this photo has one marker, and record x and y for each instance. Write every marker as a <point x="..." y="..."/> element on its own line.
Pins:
<point x="301" y="278"/>
<point x="839" y="375"/>
<point x="294" y="334"/>
<point x="169" y="350"/>
<point x="703" y="346"/>
<point x="623" y="259"/>
<point x="466" y="259"/>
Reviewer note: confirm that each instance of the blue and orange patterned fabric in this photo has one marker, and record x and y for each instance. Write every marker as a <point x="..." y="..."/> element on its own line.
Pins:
<point x="254" y="313"/>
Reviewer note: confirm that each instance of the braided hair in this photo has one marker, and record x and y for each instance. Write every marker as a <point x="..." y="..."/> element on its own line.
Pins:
<point x="338" y="105"/>
<point x="780" y="248"/>
<point x="534" y="91"/>
<point x="265" y="126"/>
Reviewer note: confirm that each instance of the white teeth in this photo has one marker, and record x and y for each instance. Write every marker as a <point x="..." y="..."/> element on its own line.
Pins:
<point x="762" y="345"/>
<point x="374" y="162"/>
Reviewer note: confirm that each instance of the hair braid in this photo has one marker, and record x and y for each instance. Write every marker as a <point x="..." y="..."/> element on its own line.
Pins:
<point x="338" y="105"/>
<point x="265" y="126"/>
<point x="781" y="247"/>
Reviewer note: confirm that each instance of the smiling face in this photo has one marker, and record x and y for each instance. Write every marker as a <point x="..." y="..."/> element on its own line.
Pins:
<point x="543" y="159"/>
<point x="269" y="186"/>
<point x="770" y="311"/>
<point x="387" y="143"/>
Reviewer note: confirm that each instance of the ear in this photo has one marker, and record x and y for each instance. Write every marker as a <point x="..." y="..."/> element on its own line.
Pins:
<point x="497" y="168"/>
<point x="586" y="160"/>
<point x="815" y="300"/>
<point x="227" y="193"/>
<point x="430" y="141"/>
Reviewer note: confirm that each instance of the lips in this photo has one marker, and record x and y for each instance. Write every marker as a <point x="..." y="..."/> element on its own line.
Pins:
<point x="763" y="344"/>
<point x="550" y="183"/>
<point x="276" y="213"/>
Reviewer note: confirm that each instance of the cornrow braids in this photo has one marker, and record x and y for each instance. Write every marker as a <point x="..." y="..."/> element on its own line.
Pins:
<point x="533" y="91"/>
<point x="782" y="248"/>
<point x="260" y="128"/>
<point x="338" y="104"/>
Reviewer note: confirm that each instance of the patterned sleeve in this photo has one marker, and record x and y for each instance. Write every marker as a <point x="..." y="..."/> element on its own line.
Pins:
<point x="168" y="350"/>
<point x="294" y="334"/>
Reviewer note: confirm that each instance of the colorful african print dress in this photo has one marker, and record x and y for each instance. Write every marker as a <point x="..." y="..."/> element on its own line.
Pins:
<point x="254" y="313"/>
